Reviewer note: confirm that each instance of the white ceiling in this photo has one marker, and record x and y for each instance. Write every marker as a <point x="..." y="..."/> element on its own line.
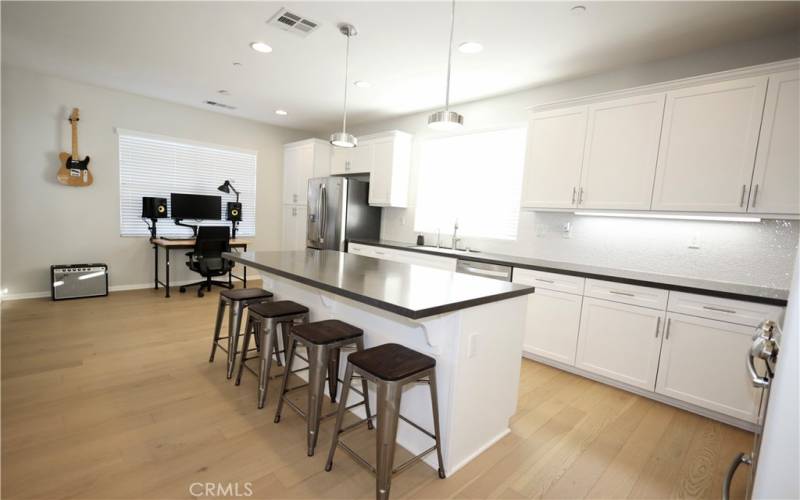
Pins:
<point x="183" y="51"/>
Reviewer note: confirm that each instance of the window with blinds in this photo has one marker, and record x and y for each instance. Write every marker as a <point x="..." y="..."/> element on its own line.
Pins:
<point x="156" y="166"/>
<point x="475" y="179"/>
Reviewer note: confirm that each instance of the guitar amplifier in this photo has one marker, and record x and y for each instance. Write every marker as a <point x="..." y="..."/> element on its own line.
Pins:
<point x="75" y="281"/>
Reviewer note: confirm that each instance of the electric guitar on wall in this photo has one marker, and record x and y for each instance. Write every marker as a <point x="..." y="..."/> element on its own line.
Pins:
<point x="74" y="171"/>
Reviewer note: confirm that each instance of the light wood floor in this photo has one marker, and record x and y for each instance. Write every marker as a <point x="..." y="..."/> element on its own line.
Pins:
<point x="114" y="398"/>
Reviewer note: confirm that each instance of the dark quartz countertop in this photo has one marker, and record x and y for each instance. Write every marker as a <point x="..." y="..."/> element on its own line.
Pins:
<point x="408" y="290"/>
<point x="766" y="295"/>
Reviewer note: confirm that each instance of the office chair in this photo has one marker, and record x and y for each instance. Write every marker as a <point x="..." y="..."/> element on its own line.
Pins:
<point x="206" y="258"/>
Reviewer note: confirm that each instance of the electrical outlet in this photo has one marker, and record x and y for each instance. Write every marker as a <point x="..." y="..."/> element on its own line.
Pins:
<point x="694" y="242"/>
<point x="566" y="230"/>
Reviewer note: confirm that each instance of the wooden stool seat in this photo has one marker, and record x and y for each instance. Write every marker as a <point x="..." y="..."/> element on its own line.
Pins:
<point x="245" y="293"/>
<point x="391" y="361"/>
<point x="279" y="308"/>
<point x="326" y="332"/>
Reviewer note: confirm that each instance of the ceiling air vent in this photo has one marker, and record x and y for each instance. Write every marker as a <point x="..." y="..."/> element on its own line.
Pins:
<point x="219" y="105"/>
<point x="293" y="23"/>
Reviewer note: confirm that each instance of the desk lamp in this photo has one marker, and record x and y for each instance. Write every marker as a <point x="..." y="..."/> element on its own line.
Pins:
<point x="234" y="209"/>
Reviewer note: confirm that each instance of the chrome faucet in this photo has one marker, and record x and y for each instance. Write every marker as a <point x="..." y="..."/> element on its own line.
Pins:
<point x="455" y="233"/>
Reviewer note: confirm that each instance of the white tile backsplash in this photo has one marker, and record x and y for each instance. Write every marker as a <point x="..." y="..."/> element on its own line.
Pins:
<point x="760" y="254"/>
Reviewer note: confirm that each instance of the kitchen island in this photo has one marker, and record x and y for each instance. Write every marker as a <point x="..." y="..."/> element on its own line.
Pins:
<point x="472" y="326"/>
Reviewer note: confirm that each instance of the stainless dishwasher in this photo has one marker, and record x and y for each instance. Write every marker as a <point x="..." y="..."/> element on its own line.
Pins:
<point x="493" y="271"/>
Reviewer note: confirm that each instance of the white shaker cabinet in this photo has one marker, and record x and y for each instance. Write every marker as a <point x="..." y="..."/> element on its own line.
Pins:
<point x="703" y="363"/>
<point x="621" y="152"/>
<point x="303" y="160"/>
<point x="776" y="179"/>
<point x="708" y="146"/>
<point x="554" y="156"/>
<point x="294" y="228"/>
<point x="620" y="341"/>
<point x="390" y="170"/>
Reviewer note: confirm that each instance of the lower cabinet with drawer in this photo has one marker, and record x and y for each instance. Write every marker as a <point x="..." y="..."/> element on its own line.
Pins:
<point x="554" y="314"/>
<point x="394" y="255"/>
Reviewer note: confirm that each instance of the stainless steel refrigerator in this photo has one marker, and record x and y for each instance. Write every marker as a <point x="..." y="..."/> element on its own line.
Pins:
<point x="338" y="211"/>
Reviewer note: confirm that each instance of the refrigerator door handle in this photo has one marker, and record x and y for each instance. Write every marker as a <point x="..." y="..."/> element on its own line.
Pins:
<point x="323" y="212"/>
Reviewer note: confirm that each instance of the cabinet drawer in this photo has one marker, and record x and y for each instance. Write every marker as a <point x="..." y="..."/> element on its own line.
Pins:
<point x="357" y="249"/>
<point x="627" y="294"/>
<point x="732" y="311"/>
<point x="549" y="281"/>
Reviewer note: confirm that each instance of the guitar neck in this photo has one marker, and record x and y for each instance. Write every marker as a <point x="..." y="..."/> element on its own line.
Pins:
<point x="74" y="140"/>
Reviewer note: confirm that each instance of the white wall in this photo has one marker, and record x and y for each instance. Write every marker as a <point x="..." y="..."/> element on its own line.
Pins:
<point x="758" y="254"/>
<point x="779" y="460"/>
<point x="47" y="223"/>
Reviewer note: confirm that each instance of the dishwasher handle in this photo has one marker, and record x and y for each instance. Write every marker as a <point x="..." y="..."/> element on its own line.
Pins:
<point x="486" y="270"/>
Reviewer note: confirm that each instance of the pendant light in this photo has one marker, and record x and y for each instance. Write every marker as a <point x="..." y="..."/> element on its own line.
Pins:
<point x="446" y="119"/>
<point x="343" y="139"/>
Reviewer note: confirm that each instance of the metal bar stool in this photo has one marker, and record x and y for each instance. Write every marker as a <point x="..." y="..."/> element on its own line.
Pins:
<point x="264" y="320"/>
<point x="391" y="367"/>
<point x="237" y="299"/>
<point x="323" y="341"/>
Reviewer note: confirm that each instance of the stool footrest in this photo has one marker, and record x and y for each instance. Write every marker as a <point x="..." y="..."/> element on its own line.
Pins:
<point x="358" y="458"/>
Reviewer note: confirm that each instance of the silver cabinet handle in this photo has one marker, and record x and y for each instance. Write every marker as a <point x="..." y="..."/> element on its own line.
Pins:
<point x="755" y="195"/>
<point x="544" y="280"/>
<point x="719" y="309"/>
<point x="622" y="293"/>
<point x="574" y="189"/>
<point x="294" y="197"/>
<point x="666" y="330"/>
<point x="741" y="201"/>
<point x="658" y="324"/>
<point x="740" y="459"/>
<point x="485" y="272"/>
<point x="580" y="195"/>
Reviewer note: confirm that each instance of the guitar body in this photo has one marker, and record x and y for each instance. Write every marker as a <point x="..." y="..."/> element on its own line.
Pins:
<point x="74" y="173"/>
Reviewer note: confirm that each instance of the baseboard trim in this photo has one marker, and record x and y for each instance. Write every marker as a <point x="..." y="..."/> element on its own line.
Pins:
<point x="489" y="444"/>
<point x="720" y="417"/>
<point x="111" y="289"/>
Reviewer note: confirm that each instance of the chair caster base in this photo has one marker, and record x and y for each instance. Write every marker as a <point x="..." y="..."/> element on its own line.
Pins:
<point x="441" y="474"/>
<point x="200" y="292"/>
<point x="182" y="289"/>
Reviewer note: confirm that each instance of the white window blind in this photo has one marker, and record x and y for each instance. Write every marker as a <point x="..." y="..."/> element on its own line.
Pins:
<point x="157" y="166"/>
<point x="475" y="179"/>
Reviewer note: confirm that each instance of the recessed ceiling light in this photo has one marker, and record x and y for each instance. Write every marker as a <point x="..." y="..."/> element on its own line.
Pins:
<point x="362" y="84"/>
<point x="237" y="64"/>
<point x="223" y="92"/>
<point x="281" y="112"/>
<point x="261" y="47"/>
<point x="470" y="47"/>
<point x="578" y="9"/>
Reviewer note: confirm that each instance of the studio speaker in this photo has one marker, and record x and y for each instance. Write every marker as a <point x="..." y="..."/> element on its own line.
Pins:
<point x="234" y="211"/>
<point x="154" y="208"/>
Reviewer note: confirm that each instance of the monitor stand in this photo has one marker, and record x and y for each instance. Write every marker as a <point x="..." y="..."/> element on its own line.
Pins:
<point x="190" y="226"/>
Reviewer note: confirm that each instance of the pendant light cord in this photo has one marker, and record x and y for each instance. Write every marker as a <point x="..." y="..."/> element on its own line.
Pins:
<point x="450" y="56"/>
<point x="346" y="68"/>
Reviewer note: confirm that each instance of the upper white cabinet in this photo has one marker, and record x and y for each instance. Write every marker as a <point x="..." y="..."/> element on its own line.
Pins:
<point x="358" y="160"/>
<point x="776" y="180"/>
<point x="386" y="157"/>
<point x="554" y="157"/>
<point x="389" y="175"/>
<point x="621" y="151"/>
<point x="303" y="160"/>
<point x="708" y="146"/>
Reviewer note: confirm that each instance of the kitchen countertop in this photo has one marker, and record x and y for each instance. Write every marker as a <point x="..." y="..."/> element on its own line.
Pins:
<point x="766" y="295"/>
<point x="408" y="290"/>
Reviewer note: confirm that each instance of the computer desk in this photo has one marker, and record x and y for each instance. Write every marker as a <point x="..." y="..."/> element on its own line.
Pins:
<point x="188" y="244"/>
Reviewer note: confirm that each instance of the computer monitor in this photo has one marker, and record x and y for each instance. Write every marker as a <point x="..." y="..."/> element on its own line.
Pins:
<point x="195" y="206"/>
